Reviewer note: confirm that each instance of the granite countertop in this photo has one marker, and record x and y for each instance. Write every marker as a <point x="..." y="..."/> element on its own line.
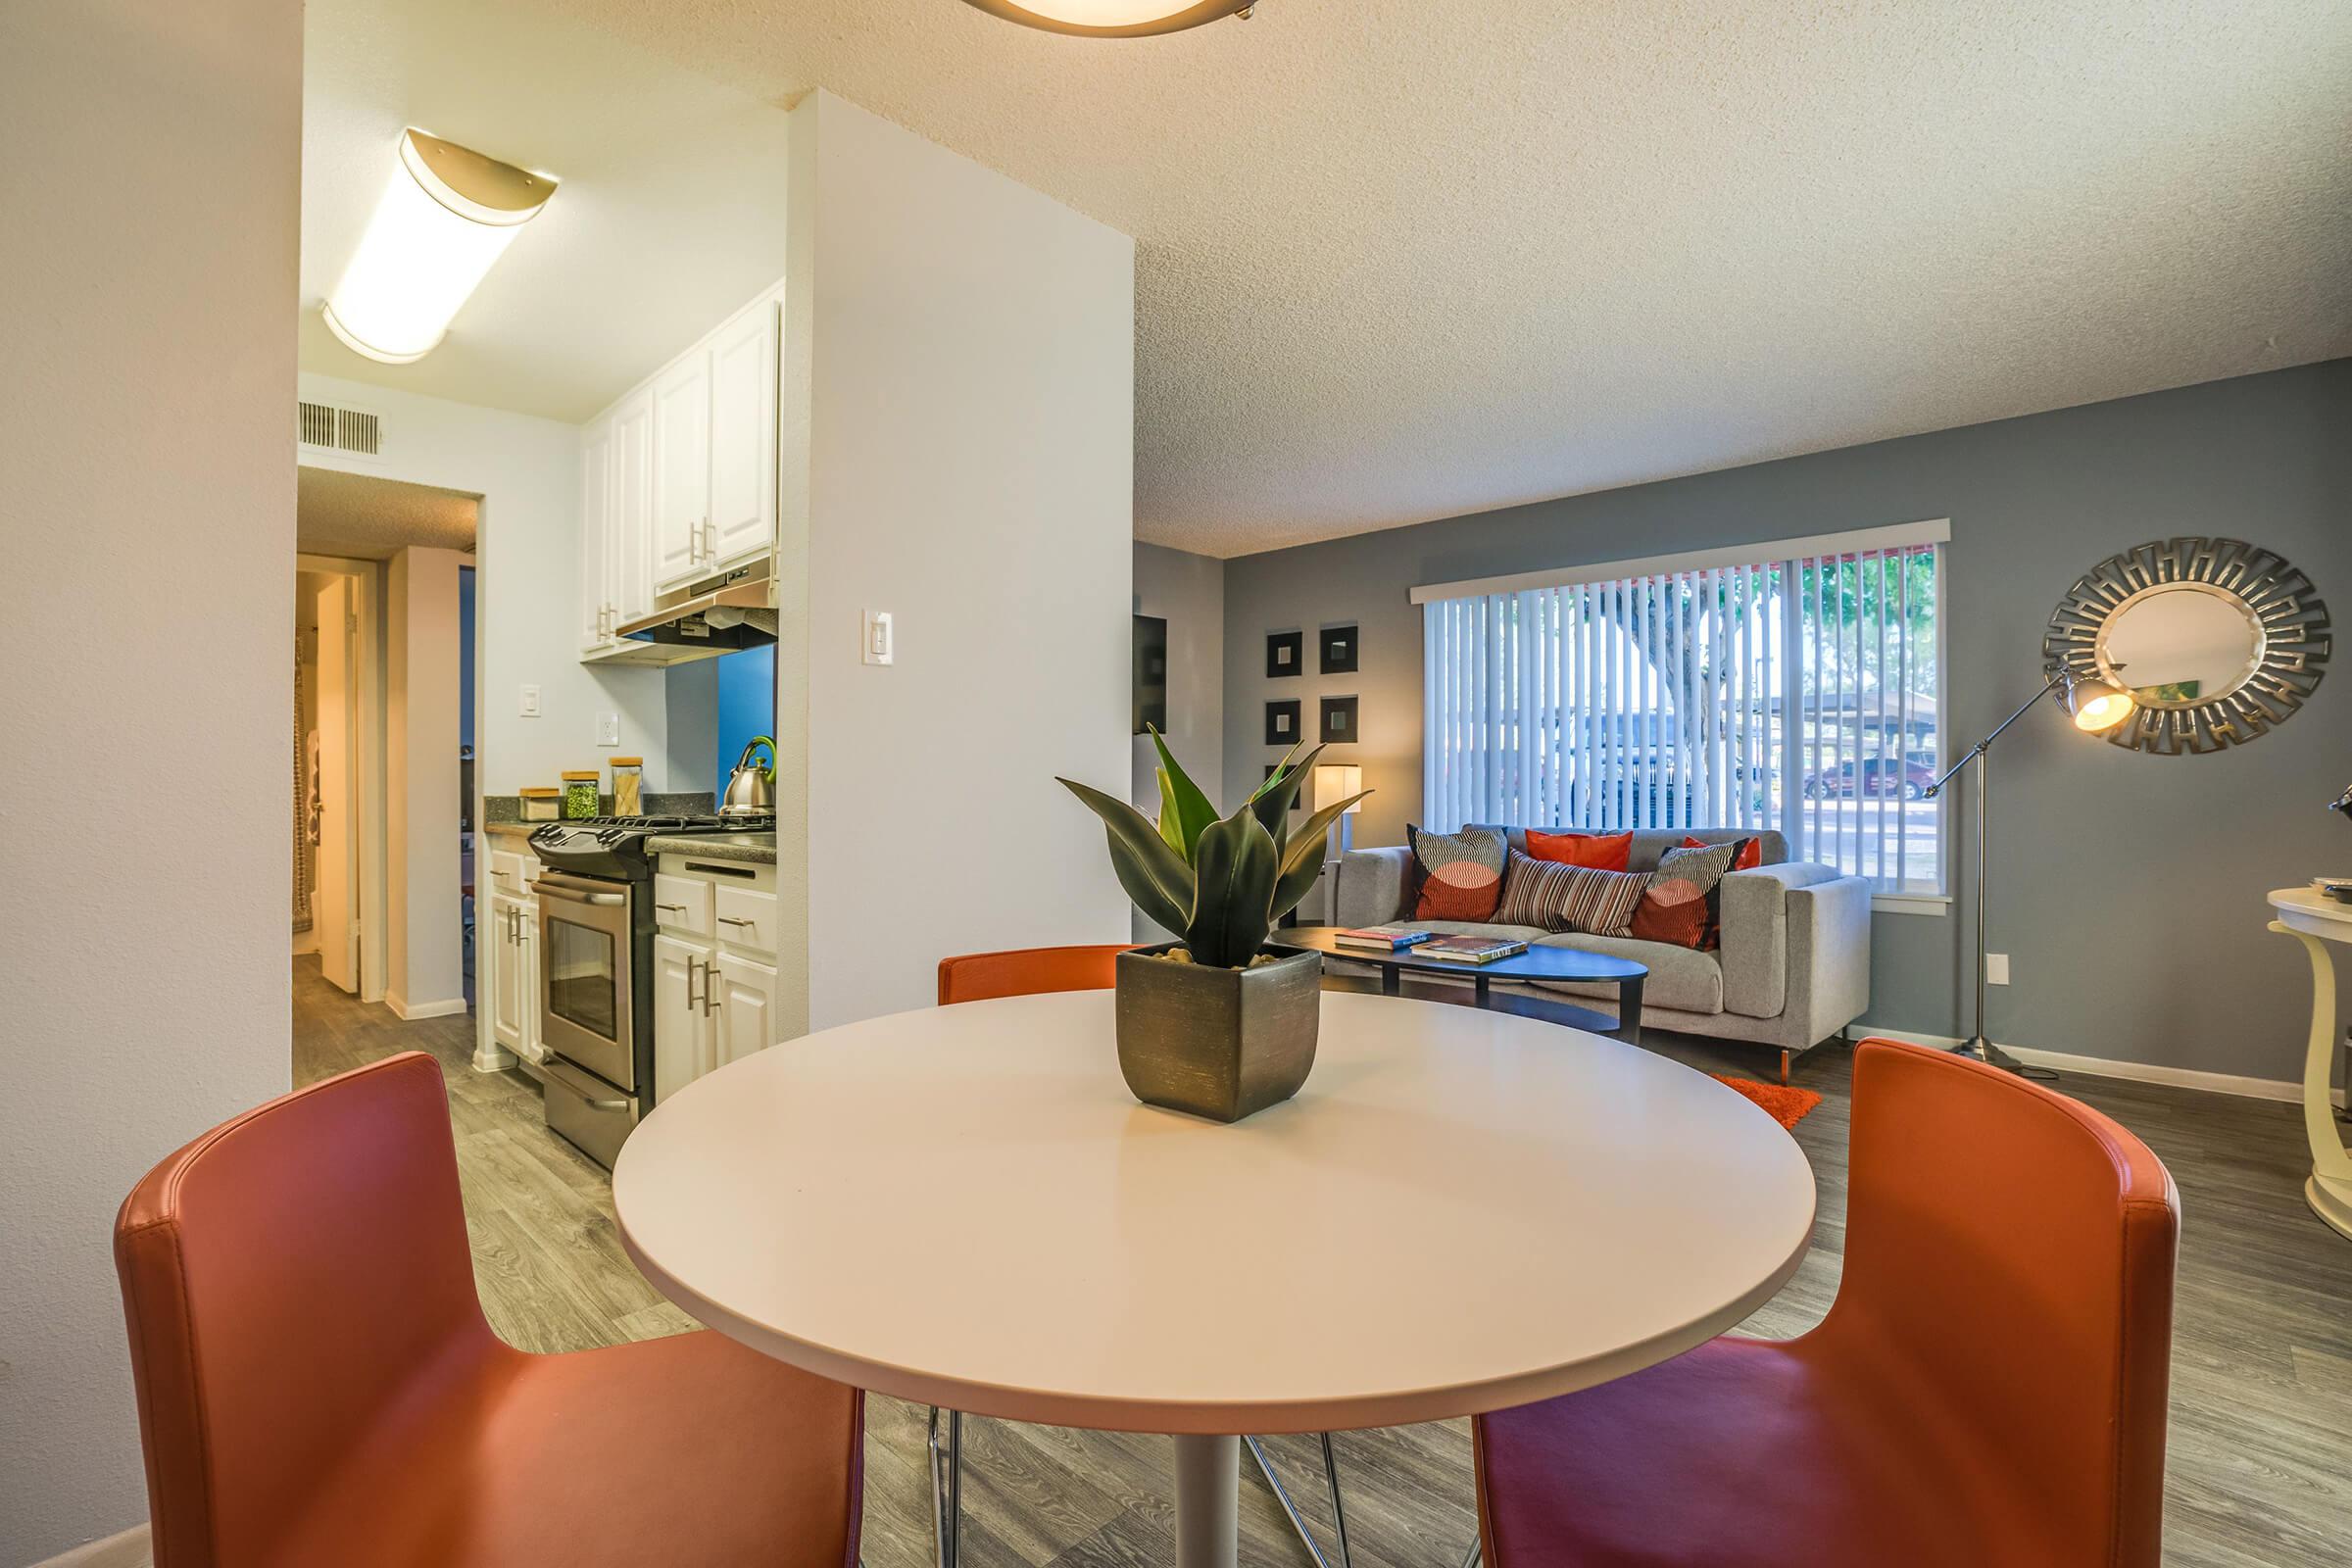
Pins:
<point x="759" y="848"/>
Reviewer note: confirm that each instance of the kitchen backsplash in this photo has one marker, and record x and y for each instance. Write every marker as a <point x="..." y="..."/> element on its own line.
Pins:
<point x="508" y="807"/>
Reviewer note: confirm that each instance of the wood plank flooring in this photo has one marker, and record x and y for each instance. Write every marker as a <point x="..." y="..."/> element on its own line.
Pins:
<point x="2261" y="1447"/>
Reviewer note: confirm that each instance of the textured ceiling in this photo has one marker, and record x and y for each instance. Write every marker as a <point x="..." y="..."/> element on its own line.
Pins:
<point x="1402" y="258"/>
<point x="669" y="214"/>
<point x="363" y="518"/>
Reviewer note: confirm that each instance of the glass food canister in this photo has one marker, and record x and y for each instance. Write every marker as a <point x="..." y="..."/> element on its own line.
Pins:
<point x="583" y="794"/>
<point x="539" y="804"/>
<point x="628" y="786"/>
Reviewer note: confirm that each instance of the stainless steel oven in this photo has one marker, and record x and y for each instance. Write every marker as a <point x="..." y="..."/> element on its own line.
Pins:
<point x="590" y="1017"/>
<point x="586" y="999"/>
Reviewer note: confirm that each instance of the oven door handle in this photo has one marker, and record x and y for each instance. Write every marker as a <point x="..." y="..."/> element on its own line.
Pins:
<point x="552" y="890"/>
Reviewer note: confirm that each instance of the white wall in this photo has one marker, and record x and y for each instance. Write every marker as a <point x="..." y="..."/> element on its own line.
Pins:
<point x="527" y="473"/>
<point x="965" y="374"/>
<point x="149" y="250"/>
<point x="424" y="964"/>
<point x="1186" y="590"/>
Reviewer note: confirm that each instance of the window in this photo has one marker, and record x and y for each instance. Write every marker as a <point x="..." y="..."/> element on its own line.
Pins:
<point x="1794" y="686"/>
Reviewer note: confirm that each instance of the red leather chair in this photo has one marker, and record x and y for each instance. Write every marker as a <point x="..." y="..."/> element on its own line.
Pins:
<point x="317" y="1383"/>
<point x="1988" y="1390"/>
<point x="1027" y="972"/>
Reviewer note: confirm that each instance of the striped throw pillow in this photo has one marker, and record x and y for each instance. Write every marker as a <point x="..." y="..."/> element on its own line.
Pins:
<point x="1570" y="898"/>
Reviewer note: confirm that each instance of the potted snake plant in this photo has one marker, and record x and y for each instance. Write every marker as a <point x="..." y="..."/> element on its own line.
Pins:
<point x="1221" y="1024"/>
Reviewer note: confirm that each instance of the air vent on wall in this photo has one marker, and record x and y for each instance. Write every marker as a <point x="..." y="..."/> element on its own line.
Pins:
<point x="354" y="431"/>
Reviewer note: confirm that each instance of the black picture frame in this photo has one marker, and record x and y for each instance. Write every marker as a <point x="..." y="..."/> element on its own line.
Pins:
<point x="1282" y="723"/>
<point x="1337" y="721"/>
<point x="1147" y="700"/>
<point x="1286" y="655"/>
<point x="1338" y="648"/>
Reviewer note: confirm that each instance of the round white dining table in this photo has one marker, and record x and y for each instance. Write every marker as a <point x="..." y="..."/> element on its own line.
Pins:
<point x="1461" y="1211"/>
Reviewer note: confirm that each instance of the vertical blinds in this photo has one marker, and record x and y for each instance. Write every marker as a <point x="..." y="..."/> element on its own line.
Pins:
<point x="1796" y="694"/>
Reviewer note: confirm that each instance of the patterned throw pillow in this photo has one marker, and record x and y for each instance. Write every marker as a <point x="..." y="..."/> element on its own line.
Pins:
<point x="1751" y="856"/>
<point x="1603" y="852"/>
<point x="1461" y="873"/>
<point x="1570" y="898"/>
<point x="1682" y="904"/>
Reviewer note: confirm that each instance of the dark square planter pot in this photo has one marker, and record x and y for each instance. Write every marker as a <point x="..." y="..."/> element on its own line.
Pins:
<point x="1222" y="1043"/>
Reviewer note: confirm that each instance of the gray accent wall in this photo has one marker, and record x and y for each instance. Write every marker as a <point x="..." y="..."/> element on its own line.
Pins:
<point x="2127" y="889"/>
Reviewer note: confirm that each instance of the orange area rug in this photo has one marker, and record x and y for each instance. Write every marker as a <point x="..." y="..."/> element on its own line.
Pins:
<point x="1785" y="1105"/>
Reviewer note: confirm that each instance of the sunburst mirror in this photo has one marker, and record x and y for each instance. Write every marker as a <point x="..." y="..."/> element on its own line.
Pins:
<point x="2216" y="640"/>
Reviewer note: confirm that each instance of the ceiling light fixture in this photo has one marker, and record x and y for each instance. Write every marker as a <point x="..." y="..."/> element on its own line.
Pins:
<point x="1113" y="18"/>
<point x="445" y="218"/>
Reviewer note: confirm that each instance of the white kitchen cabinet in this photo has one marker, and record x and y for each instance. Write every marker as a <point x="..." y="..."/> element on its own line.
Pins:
<point x="743" y="438"/>
<point x="684" y="1027"/>
<point x="681" y="519"/>
<point x="631" y="553"/>
<point x="507" y="949"/>
<point x="598" y="537"/>
<point x="714" y="967"/>
<point x="746" y="1000"/>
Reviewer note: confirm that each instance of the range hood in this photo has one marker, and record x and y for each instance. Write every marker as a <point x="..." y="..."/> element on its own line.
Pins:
<point x="718" y="615"/>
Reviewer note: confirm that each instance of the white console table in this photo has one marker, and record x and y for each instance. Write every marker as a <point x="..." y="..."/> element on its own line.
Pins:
<point x="2302" y="913"/>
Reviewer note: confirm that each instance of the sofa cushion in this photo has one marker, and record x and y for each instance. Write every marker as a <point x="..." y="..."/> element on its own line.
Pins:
<point x="1570" y="898"/>
<point x="1461" y="873"/>
<point x="1682" y="904"/>
<point x="1751" y="856"/>
<point x="1685" y="979"/>
<point x="1603" y="852"/>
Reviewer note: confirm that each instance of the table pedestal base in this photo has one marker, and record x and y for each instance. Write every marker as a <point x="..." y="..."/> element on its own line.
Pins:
<point x="1209" y="1480"/>
<point x="2331" y="1200"/>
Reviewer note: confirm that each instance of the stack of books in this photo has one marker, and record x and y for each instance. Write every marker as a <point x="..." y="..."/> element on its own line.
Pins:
<point x="1471" y="950"/>
<point x="1380" y="939"/>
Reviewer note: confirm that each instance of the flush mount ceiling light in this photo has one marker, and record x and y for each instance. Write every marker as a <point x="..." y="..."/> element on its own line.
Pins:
<point x="1113" y="18"/>
<point x="447" y="216"/>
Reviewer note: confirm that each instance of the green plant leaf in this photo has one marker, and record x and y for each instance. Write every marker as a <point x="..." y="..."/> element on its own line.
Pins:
<point x="1272" y="804"/>
<point x="1150" y="869"/>
<point x="1280" y="768"/>
<point x="1303" y="861"/>
<point x="1193" y="813"/>
<point x="1235" y="868"/>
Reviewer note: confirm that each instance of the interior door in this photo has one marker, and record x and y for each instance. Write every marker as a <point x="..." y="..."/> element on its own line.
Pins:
<point x="338" y="796"/>
<point x="681" y="469"/>
<point x="747" y="1007"/>
<point x="742" y="436"/>
<point x="682" y="1033"/>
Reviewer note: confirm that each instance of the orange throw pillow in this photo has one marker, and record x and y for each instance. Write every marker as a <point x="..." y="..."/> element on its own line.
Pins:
<point x="1600" y="851"/>
<point x="1751" y="856"/>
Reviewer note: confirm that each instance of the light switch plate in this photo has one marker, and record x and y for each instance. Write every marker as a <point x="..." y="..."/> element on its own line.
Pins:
<point x="1996" y="968"/>
<point x="607" y="729"/>
<point x="530" y="701"/>
<point x="878" y="641"/>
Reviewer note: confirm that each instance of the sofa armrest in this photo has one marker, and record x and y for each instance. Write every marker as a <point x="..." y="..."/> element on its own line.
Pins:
<point x="1754" y="943"/>
<point x="1372" y="886"/>
<point x="1829" y="959"/>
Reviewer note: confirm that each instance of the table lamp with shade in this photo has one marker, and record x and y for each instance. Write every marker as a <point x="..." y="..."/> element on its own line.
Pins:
<point x="1335" y="782"/>
<point x="2097" y="706"/>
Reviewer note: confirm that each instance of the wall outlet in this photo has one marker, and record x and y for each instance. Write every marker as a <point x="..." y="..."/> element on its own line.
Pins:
<point x="530" y="701"/>
<point x="607" y="729"/>
<point x="1996" y="968"/>
<point x="878" y="641"/>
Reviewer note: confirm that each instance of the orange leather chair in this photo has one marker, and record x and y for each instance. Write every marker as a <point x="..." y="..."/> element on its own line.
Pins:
<point x="317" y="1383"/>
<point x="1988" y="1390"/>
<point x="1027" y="972"/>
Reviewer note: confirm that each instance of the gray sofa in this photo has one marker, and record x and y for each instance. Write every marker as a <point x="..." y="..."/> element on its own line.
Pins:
<point x="1794" y="968"/>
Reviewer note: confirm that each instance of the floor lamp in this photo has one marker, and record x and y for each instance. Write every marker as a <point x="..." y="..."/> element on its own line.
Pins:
<point x="2096" y="706"/>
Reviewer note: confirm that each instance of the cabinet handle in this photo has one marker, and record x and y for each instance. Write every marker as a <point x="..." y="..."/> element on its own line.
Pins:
<point x="692" y="965"/>
<point x="731" y="920"/>
<point x="710" y="989"/>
